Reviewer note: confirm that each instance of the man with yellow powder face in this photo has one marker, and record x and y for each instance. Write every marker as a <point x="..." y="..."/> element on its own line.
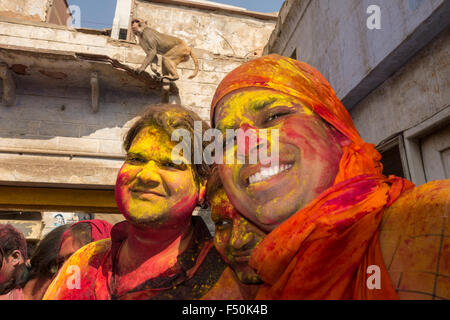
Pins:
<point x="160" y="251"/>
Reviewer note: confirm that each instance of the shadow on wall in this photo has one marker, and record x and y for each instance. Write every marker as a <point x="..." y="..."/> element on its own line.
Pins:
<point x="53" y="111"/>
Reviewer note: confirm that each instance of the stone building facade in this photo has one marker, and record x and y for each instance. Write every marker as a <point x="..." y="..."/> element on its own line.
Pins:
<point x="393" y="80"/>
<point x="52" y="11"/>
<point x="60" y="142"/>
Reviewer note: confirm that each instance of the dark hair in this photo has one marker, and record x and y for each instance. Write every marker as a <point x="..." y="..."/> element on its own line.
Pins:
<point x="81" y="233"/>
<point x="170" y="117"/>
<point x="214" y="184"/>
<point x="44" y="261"/>
<point x="12" y="239"/>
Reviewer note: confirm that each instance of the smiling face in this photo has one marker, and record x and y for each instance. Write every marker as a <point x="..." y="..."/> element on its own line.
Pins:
<point x="150" y="189"/>
<point x="235" y="237"/>
<point x="308" y="160"/>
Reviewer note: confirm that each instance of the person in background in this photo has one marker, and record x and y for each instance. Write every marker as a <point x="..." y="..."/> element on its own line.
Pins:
<point x="55" y="248"/>
<point x="235" y="237"/>
<point x="44" y="264"/>
<point x="13" y="258"/>
<point x="80" y="234"/>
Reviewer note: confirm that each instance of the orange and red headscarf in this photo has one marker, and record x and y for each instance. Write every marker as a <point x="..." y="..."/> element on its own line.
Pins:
<point x="324" y="250"/>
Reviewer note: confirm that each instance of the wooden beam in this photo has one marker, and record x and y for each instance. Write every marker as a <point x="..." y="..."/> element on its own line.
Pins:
<point x="9" y="86"/>
<point x="95" y="92"/>
<point x="54" y="199"/>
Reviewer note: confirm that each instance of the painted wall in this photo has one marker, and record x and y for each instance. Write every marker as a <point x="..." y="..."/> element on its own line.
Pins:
<point x="214" y="31"/>
<point x="392" y="79"/>
<point x="416" y="92"/>
<point x="333" y="37"/>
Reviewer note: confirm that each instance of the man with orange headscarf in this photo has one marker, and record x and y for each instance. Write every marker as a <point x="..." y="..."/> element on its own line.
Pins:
<point x="325" y="202"/>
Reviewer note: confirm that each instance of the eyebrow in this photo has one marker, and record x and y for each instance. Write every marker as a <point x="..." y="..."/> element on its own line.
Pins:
<point x="160" y="158"/>
<point x="257" y="105"/>
<point x="261" y="104"/>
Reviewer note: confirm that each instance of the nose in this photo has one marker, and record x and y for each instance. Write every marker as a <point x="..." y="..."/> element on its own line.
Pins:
<point x="240" y="239"/>
<point x="250" y="139"/>
<point x="149" y="175"/>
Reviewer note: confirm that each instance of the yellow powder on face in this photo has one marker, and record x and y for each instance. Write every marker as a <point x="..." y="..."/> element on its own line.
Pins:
<point x="152" y="149"/>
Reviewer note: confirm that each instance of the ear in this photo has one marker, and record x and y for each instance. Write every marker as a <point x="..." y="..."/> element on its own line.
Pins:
<point x="340" y="138"/>
<point x="17" y="258"/>
<point x="202" y="195"/>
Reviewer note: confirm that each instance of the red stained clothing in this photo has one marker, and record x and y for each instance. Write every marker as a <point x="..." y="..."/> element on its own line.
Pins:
<point x="195" y="273"/>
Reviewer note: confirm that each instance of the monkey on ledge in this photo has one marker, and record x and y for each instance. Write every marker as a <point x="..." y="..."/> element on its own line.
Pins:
<point x="172" y="49"/>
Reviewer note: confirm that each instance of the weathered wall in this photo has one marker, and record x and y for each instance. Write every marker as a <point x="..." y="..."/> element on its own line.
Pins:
<point x="222" y="41"/>
<point x="51" y="135"/>
<point x="413" y="94"/>
<point x="58" y="12"/>
<point x="59" y="140"/>
<point x="216" y="32"/>
<point x="333" y="37"/>
<point x="26" y="9"/>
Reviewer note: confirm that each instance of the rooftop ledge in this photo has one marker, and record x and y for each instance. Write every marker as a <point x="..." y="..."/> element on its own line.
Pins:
<point x="61" y="56"/>
<point x="74" y="69"/>
<point x="212" y="6"/>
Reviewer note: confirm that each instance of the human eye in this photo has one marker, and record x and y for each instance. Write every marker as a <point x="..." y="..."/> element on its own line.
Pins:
<point x="276" y="114"/>
<point x="222" y="224"/>
<point x="135" y="159"/>
<point x="173" y="166"/>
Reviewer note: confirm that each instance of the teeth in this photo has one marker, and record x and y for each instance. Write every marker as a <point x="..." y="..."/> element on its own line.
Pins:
<point x="266" y="173"/>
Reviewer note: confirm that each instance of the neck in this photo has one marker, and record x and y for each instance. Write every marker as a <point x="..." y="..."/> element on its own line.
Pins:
<point x="248" y="291"/>
<point x="150" y="244"/>
<point x="35" y="288"/>
<point x="153" y="240"/>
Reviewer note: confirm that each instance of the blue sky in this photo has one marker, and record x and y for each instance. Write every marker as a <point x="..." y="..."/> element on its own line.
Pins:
<point x="98" y="14"/>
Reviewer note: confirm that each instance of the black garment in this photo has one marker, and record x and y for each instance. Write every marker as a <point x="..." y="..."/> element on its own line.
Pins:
<point x="197" y="270"/>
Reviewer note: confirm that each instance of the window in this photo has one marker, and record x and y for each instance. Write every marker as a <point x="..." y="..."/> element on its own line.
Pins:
<point x="294" y="54"/>
<point x="393" y="156"/>
<point x="123" y="34"/>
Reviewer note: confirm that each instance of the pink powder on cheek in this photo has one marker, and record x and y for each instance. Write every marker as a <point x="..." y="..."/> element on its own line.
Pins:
<point x="309" y="137"/>
<point x="185" y="205"/>
<point x="121" y="190"/>
<point x="296" y="132"/>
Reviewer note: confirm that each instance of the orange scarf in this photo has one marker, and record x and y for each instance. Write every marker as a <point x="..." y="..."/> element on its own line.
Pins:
<point x="324" y="250"/>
